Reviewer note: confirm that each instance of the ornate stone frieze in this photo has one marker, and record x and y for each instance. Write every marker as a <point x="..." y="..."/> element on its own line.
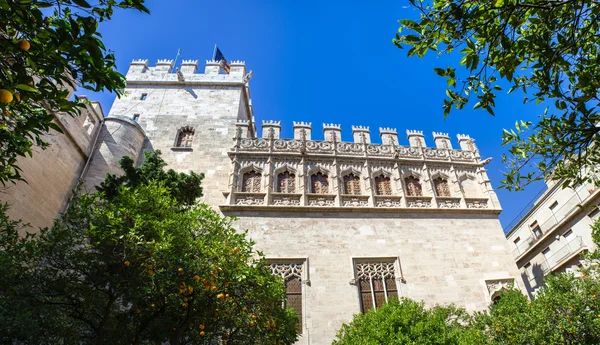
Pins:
<point x="321" y="147"/>
<point x="462" y="156"/>
<point x="436" y="154"/>
<point x="380" y="150"/>
<point x="477" y="203"/>
<point x="418" y="202"/>
<point x="355" y="200"/>
<point x="408" y="152"/>
<point x="287" y="145"/>
<point x="350" y="148"/>
<point x="250" y="199"/>
<point x="285" y="199"/>
<point x="327" y="200"/>
<point x="387" y="201"/>
<point x="448" y="202"/>
<point x="254" y="144"/>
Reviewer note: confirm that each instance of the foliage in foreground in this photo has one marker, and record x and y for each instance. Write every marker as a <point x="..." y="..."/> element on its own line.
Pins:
<point x="141" y="266"/>
<point x="407" y="322"/>
<point x="47" y="46"/>
<point x="565" y="311"/>
<point x="548" y="49"/>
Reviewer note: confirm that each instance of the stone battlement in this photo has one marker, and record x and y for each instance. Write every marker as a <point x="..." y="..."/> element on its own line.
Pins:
<point x="362" y="134"/>
<point x="165" y="71"/>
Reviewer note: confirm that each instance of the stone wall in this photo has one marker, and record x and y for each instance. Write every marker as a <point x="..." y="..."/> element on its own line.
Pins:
<point x="444" y="258"/>
<point x="52" y="174"/>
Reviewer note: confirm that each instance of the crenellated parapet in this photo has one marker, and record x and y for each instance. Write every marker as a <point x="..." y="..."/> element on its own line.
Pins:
<point x="300" y="173"/>
<point x="164" y="71"/>
<point x="362" y="134"/>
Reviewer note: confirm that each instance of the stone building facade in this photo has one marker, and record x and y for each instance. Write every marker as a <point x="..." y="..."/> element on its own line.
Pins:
<point x="51" y="175"/>
<point x="553" y="232"/>
<point x="346" y="224"/>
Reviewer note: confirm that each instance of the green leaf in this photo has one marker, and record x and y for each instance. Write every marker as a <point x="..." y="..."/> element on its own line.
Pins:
<point x="25" y="88"/>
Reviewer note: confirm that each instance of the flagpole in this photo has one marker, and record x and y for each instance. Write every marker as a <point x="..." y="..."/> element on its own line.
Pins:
<point x="176" y="57"/>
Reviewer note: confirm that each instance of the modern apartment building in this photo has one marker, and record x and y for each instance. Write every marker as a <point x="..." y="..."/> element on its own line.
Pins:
<point x="553" y="232"/>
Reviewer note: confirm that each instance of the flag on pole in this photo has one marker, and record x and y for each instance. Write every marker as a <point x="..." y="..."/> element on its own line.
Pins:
<point x="218" y="56"/>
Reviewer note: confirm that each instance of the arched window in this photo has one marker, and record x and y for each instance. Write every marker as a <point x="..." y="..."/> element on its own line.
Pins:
<point x="383" y="185"/>
<point x="441" y="187"/>
<point x="251" y="182"/>
<point x="319" y="183"/>
<point x="413" y="186"/>
<point x="185" y="137"/>
<point x="286" y="182"/>
<point x="352" y="184"/>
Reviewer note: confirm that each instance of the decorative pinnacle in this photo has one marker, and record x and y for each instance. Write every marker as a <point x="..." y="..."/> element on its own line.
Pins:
<point x="441" y="135"/>
<point x="164" y="62"/>
<point x="140" y="62"/>
<point x="189" y="62"/>
<point x="242" y="122"/>
<point x="463" y="137"/>
<point x="213" y="62"/>
<point x="331" y="126"/>
<point x="411" y="133"/>
<point x="271" y="123"/>
<point x="360" y="128"/>
<point x="237" y="62"/>
<point x="302" y="124"/>
<point x="387" y="130"/>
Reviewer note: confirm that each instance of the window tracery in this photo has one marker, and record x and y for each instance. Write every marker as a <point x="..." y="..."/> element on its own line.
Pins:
<point x="441" y="187"/>
<point x="251" y="182"/>
<point x="286" y="182"/>
<point x="352" y="184"/>
<point x="383" y="185"/>
<point x="376" y="284"/>
<point x="292" y="277"/>
<point x="319" y="183"/>
<point x="413" y="186"/>
<point x="185" y="137"/>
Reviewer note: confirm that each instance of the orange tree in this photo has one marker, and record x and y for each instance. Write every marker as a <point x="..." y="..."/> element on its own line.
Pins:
<point x="139" y="262"/>
<point x="46" y="47"/>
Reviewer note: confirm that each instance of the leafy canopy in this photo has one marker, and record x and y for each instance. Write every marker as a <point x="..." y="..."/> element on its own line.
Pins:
<point x="548" y="49"/>
<point x="139" y="264"/>
<point x="404" y="321"/>
<point x="46" y="48"/>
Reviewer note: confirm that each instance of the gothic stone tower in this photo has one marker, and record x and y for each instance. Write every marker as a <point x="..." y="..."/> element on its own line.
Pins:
<point x="347" y="224"/>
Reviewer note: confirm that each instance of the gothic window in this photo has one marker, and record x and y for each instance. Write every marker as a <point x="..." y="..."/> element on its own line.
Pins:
<point x="292" y="277"/>
<point x="441" y="187"/>
<point x="251" y="182"/>
<point x="286" y="182"/>
<point x="185" y="137"/>
<point x="352" y="184"/>
<point x="383" y="185"/>
<point x="413" y="186"/>
<point x="376" y="283"/>
<point x="319" y="183"/>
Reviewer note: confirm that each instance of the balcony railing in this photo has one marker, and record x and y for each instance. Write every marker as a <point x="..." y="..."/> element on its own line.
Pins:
<point x="548" y="224"/>
<point x="558" y="258"/>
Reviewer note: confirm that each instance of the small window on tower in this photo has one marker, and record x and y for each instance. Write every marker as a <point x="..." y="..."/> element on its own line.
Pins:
<point x="144" y="96"/>
<point x="136" y="117"/>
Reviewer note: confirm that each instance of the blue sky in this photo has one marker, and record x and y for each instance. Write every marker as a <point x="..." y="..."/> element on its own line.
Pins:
<point x="320" y="62"/>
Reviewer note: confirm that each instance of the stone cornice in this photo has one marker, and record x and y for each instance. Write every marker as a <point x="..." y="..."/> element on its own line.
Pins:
<point x="349" y="209"/>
